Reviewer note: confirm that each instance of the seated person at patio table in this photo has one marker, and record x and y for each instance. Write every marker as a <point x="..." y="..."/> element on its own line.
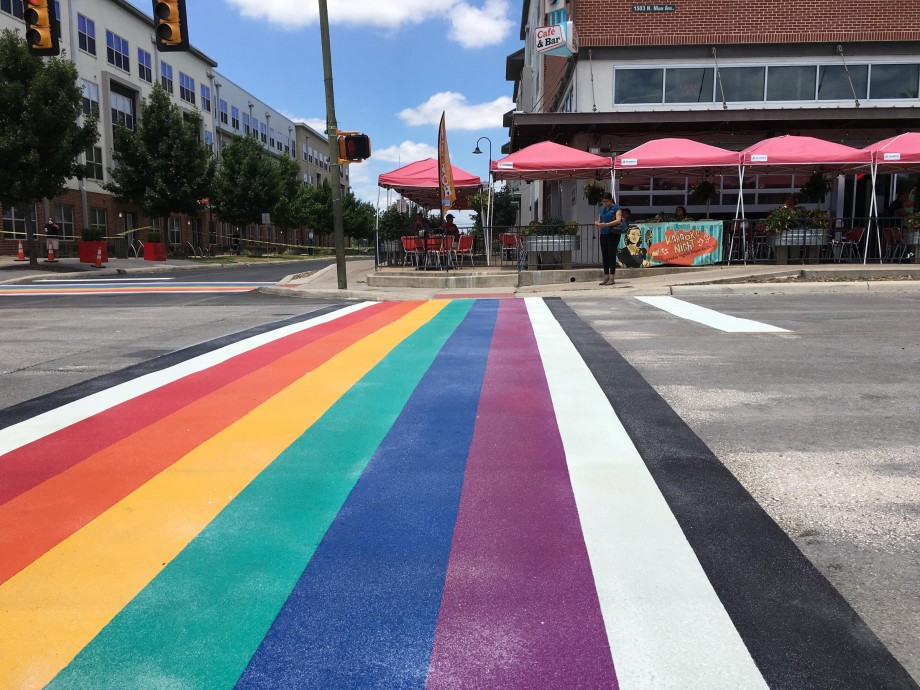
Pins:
<point x="419" y="226"/>
<point x="680" y="213"/>
<point x="898" y="207"/>
<point x="792" y="201"/>
<point x="448" y="227"/>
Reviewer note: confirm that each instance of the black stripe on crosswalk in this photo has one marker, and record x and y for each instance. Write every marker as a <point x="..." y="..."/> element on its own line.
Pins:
<point x="797" y="627"/>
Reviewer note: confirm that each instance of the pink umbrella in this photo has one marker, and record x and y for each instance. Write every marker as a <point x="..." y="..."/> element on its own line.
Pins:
<point x="792" y="152"/>
<point x="677" y="156"/>
<point x="901" y="152"/>
<point x="418" y="182"/>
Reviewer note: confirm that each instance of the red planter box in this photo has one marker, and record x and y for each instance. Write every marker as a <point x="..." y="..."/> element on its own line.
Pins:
<point x="88" y="251"/>
<point x="154" y="251"/>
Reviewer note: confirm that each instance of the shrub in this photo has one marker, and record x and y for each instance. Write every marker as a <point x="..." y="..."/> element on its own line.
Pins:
<point x="91" y="235"/>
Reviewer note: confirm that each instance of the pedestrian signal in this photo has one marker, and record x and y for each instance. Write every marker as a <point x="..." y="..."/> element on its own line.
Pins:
<point x="354" y="148"/>
<point x="42" y="28"/>
<point x="170" y="25"/>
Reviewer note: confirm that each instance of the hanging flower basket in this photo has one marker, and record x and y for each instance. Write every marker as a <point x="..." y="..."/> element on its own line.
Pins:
<point x="817" y="187"/>
<point x="703" y="192"/>
<point x="594" y="191"/>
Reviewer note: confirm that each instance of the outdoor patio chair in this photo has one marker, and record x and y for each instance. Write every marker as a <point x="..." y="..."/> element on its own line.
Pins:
<point x="410" y="250"/>
<point x="510" y="247"/>
<point x="850" y="247"/>
<point x="893" y="248"/>
<point x="464" y="248"/>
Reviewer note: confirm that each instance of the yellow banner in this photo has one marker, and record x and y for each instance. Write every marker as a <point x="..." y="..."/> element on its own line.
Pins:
<point x="445" y="171"/>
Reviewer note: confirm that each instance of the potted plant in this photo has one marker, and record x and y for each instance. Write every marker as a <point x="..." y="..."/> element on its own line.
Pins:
<point x="154" y="248"/>
<point x="92" y="241"/>
<point x="816" y="187"/>
<point x="703" y="192"/>
<point x="594" y="191"/>
<point x="797" y="227"/>
<point x="911" y="233"/>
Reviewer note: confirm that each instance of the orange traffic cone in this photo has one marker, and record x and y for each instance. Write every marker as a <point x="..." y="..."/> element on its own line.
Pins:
<point x="98" y="263"/>
<point x="20" y="255"/>
<point x="50" y="259"/>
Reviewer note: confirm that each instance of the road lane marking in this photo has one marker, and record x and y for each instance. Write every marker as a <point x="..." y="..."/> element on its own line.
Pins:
<point x="709" y="317"/>
<point x="17" y="435"/>
<point x="666" y="625"/>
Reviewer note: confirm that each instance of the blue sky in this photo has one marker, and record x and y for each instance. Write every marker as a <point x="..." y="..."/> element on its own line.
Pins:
<point x="397" y="65"/>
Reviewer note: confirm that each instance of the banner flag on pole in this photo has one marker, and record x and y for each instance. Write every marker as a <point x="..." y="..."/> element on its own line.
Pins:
<point x="445" y="172"/>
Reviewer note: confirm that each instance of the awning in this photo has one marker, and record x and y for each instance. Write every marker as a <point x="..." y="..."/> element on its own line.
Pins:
<point x="792" y="153"/>
<point x="678" y="156"/>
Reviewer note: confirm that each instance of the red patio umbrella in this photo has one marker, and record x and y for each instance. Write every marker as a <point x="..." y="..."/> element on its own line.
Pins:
<point x="550" y="161"/>
<point x="901" y="152"/>
<point x="677" y="156"/>
<point x="792" y="152"/>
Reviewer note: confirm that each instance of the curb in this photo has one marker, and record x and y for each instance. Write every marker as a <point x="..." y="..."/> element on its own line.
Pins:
<point x="797" y="288"/>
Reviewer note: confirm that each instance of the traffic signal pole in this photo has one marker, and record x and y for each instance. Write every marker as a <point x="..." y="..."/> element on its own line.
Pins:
<point x="332" y="135"/>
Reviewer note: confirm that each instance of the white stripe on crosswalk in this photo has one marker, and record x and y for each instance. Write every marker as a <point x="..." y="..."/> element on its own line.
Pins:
<point x="710" y="317"/>
<point x="17" y="435"/>
<point x="665" y="624"/>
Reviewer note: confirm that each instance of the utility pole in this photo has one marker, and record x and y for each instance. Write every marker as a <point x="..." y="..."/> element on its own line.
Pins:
<point x="332" y="135"/>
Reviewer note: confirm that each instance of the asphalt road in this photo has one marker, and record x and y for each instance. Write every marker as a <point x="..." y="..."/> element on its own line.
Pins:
<point x="818" y="424"/>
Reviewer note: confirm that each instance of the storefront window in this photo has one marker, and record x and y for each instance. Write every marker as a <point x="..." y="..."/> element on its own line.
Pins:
<point x="791" y="83"/>
<point x="894" y="81"/>
<point x="635" y="86"/>
<point x="688" y="85"/>
<point x="833" y="84"/>
<point x="742" y="84"/>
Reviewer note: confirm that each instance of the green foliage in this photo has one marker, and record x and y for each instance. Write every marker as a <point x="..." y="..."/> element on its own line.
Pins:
<point x="161" y="166"/>
<point x="594" y="191"/>
<point x="550" y="226"/>
<point x="703" y="192"/>
<point x="357" y="216"/>
<point x="154" y="236"/>
<point x="288" y="210"/>
<point x="782" y="219"/>
<point x="817" y="186"/>
<point x="393" y="220"/>
<point x="912" y="221"/>
<point x="41" y="137"/>
<point x="505" y="207"/>
<point x="91" y="235"/>
<point x="246" y="183"/>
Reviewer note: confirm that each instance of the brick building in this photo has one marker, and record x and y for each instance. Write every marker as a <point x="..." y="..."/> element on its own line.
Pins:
<point x="111" y="44"/>
<point x="724" y="73"/>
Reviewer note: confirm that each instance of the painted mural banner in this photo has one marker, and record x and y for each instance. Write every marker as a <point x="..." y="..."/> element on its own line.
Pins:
<point x="690" y="243"/>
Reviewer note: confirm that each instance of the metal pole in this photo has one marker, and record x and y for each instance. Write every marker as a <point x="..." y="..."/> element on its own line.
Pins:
<point x="332" y="135"/>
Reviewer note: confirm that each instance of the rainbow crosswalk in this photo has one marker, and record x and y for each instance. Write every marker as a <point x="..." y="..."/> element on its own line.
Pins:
<point x="422" y="494"/>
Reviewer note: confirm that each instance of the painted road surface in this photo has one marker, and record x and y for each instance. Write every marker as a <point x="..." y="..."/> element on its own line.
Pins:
<point x="124" y="286"/>
<point x="423" y="494"/>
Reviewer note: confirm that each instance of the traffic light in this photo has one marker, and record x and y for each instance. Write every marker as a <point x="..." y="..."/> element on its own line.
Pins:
<point x="354" y="147"/>
<point x="42" y="33"/>
<point x="170" y="25"/>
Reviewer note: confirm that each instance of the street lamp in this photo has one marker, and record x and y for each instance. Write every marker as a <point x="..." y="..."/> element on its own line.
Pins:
<point x="488" y="219"/>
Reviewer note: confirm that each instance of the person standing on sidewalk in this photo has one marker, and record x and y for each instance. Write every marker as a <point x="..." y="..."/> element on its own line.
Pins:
<point x="53" y="236"/>
<point x="608" y="223"/>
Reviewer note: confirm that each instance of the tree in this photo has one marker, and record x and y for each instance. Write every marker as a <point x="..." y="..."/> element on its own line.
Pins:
<point x="288" y="210"/>
<point x="245" y="183"/>
<point x="357" y="216"/>
<point x="161" y="166"/>
<point x="41" y="137"/>
<point x="393" y="219"/>
<point x="505" y="208"/>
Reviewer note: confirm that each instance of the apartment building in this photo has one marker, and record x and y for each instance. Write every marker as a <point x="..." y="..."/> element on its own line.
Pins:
<point x="727" y="74"/>
<point x="111" y="43"/>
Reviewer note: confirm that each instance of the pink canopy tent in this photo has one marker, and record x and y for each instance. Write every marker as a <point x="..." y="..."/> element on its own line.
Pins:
<point x="550" y="161"/>
<point x="792" y="152"/>
<point x="418" y="182"/>
<point x="677" y="156"/>
<point x="900" y="153"/>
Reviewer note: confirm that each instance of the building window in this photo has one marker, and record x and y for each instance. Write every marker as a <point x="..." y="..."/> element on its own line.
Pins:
<point x="116" y="51"/>
<point x="63" y="216"/>
<point x="234" y="117"/>
<point x="94" y="163"/>
<point x="271" y="137"/>
<point x="209" y="140"/>
<point x="743" y="84"/>
<point x="97" y="220"/>
<point x="638" y="86"/>
<point x="206" y="98"/>
<point x="90" y="98"/>
<point x="690" y="85"/>
<point x="304" y="151"/>
<point x="792" y="83"/>
<point x="833" y="84"/>
<point x="12" y="7"/>
<point x="166" y="77"/>
<point x="894" y="81"/>
<point x="287" y="145"/>
<point x="122" y="109"/>
<point x="16" y="218"/>
<point x="174" y="230"/>
<point x="262" y="132"/>
<point x="86" y="31"/>
<point x="144" y="70"/>
<point x="224" y="119"/>
<point x="247" y="128"/>
<point x="255" y="127"/>
<point x="186" y="88"/>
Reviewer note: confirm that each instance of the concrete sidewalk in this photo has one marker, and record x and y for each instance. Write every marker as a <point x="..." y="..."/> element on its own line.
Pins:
<point x="738" y="279"/>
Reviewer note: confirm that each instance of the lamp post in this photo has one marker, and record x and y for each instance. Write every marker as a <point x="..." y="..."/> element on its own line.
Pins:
<point x="487" y="235"/>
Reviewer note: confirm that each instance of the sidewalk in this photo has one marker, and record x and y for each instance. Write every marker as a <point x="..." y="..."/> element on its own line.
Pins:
<point x="735" y="279"/>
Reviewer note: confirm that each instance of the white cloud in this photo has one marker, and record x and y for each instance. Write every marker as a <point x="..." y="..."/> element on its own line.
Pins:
<point x="406" y="152"/>
<point x="460" y="114"/>
<point x="472" y="27"/>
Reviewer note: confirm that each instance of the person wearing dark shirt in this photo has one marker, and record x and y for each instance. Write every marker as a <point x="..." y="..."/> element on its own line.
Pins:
<point x="449" y="228"/>
<point x="608" y="222"/>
